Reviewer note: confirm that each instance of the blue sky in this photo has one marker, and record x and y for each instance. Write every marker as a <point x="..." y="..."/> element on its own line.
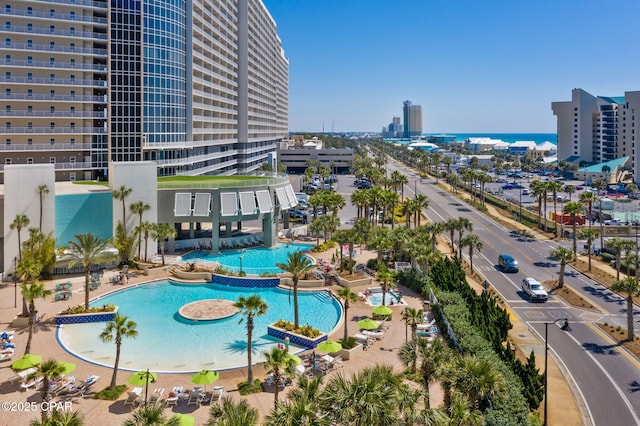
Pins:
<point x="474" y="66"/>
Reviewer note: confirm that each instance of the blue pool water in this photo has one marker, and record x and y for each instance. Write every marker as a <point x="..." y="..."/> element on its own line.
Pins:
<point x="256" y="260"/>
<point x="375" y="299"/>
<point x="167" y="342"/>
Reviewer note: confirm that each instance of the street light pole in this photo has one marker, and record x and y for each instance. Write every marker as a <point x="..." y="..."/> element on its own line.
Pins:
<point x="564" y="327"/>
<point x="15" y="283"/>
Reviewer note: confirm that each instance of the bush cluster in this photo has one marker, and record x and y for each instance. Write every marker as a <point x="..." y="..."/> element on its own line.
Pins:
<point x="305" y="330"/>
<point x="80" y="309"/>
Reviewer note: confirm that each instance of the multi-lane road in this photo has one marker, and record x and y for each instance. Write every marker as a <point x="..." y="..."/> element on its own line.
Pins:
<point x="605" y="377"/>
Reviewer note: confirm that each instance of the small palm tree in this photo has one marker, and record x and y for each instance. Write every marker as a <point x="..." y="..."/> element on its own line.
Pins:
<point x="573" y="209"/>
<point x="590" y="235"/>
<point x="60" y="418"/>
<point x="631" y="288"/>
<point x="161" y="232"/>
<point x="87" y="250"/>
<point x="564" y="255"/>
<point x="346" y="296"/>
<point x="121" y="194"/>
<point x="20" y="222"/>
<point x="301" y="406"/>
<point x="473" y="242"/>
<point x="385" y="278"/>
<point x="139" y="208"/>
<point x="31" y="292"/>
<point x="42" y="191"/>
<point x="479" y="379"/>
<point x="278" y="363"/>
<point x="151" y="414"/>
<point x="250" y="307"/>
<point x="121" y="327"/>
<point x="49" y="370"/>
<point x="297" y="265"/>
<point x="231" y="413"/>
<point x="412" y="317"/>
<point x="145" y="229"/>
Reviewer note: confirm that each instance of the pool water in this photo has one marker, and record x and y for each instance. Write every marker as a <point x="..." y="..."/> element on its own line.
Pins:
<point x="375" y="299"/>
<point x="166" y="342"/>
<point x="255" y="260"/>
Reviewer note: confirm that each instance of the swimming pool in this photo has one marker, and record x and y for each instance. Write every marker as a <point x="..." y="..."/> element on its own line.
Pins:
<point x="392" y="298"/>
<point x="255" y="260"/>
<point x="166" y="342"/>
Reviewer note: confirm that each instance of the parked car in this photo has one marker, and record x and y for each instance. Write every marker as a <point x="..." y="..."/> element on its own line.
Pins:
<point x="534" y="289"/>
<point x="526" y="191"/>
<point x="508" y="263"/>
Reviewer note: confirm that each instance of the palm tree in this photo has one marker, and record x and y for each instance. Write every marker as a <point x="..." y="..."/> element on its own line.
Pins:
<point x="569" y="190"/>
<point x="278" y="362"/>
<point x="590" y="235"/>
<point x="421" y="202"/>
<point x="20" y="222"/>
<point x="42" y="191"/>
<point x="573" y="209"/>
<point x="297" y="265"/>
<point x="139" y="208"/>
<point x="385" y="278"/>
<point x="412" y="317"/>
<point x="434" y="229"/>
<point x="145" y="229"/>
<point x="564" y="255"/>
<point x="619" y="244"/>
<point x="588" y="198"/>
<point x="473" y="242"/>
<point x="464" y="224"/>
<point x="554" y="187"/>
<point x="121" y="194"/>
<point x="151" y="414"/>
<point x="49" y="370"/>
<point x="452" y="226"/>
<point x="250" y="307"/>
<point x="461" y="413"/>
<point x="121" y="327"/>
<point x="60" y="418"/>
<point x="347" y="297"/>
<point x="537" y="190"/>
<point x="630" y="287"/>
<point x="87" y="250"/>
<point x="301" y="407"/>
<point x="479" y="379"/>
<point x="31" y="292"/>
<point x="231" y="413"/>
<point x="161" y="232"/>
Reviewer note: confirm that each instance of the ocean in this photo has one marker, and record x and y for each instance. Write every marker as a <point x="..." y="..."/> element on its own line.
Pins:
<point x="506" y="137"/>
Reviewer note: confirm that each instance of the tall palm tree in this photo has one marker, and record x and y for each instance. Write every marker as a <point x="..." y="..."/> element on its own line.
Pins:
<point x="464" y="224"/>
<point x="478" y="378"/>
<point x="20" y="222"/>
<point x="619" y="245"/>
<point x="121" y="327"/>
<point x="301" y="407"/>
<point x="87" y="250"/>
<point x="297" y="265"/>
<point x="347" y="297"/>
<point x="554" y="187"/>
<point x="412" y="317"/>
<point x="151" y="414"/>
<point x="160" y="232"/>
<point x="590" y="235"/>
<point x="452" y="225"/>
<point x="121" y="194"/>
<point x="473" y="242"/>
<point x="31" y="292"/>
<point x="49" y="370"/>
<point x="573" y="209"/>
<point x="434" y="229"/>
<point x="145" y="229"/>
<point x="537" y="190"/>
<point x="42" y="191"/>
<point x="250" y="307"/>
<point x="588" y="198"/>
<point x="630" y="287"/>
<point x="564" y="255"/>
<point x="569" y="190"/>
<point x="139" y="207"/>
<point x="385" y="278"/>
<point x="231" y="413"/>
<point x="421" y="203"/>
<point x="433" y="360"/>
<point x="278" y="363"/>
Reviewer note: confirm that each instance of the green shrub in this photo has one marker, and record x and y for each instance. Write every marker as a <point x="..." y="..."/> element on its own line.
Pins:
<point x="110" y="395"/>
<point x="350" y="343"/>
<point x="245" y="388"/>
<point x="305" y="330"/>
<point x="80" y="309"/>
<point x="372" y="264"/>
<point x="323" y="247"/>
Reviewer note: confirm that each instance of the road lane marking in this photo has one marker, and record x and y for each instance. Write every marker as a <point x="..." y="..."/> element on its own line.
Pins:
<point x="608" y="339"/>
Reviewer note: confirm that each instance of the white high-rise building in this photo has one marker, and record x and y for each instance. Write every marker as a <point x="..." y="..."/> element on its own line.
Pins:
<point x="199" y="87"/>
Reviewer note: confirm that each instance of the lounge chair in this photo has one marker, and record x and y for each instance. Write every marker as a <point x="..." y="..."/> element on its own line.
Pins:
<point x="6" y="356"/>
<point x="194" y="398"/>
<point x="34" y="383"/>
<point x="64" y="286"/>
<point x="134" y="397"/>
<point x="22" y="375"/>
<point x="174" y="396"/>
<point x="363" y="337"/>
<point x="427" y="325"/>
<point x="63" y="295"/>
<point x="82" y="389"/>
<point x="218" y="391"/>
<point x="156" y="396"/>
<point x="375" y="334"/>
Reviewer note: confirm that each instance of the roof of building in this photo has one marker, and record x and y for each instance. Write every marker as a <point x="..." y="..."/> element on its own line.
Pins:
<point x="546" y="146"/>
<point x="613" y="165"/>
<point x="613" y="99"/>
<point x="524" y="144"/>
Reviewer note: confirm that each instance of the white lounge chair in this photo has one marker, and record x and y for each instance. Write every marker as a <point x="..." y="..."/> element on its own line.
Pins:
<point x="375" y="334"/>
<point x="134" y="397"/>
<point x="84" y="386"/>
<point x="426" y="326"/>
<point x="34" y="383"/>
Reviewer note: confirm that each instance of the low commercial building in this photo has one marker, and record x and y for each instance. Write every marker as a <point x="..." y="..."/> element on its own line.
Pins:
<point x="296" y="154"/>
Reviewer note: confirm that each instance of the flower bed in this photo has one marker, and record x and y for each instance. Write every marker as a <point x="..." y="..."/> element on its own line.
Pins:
<point x="107" y="313"/>
<point x="295" y="338"/>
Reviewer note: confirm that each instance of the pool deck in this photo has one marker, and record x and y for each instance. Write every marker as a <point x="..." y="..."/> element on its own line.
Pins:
<point x="114" y="412"/>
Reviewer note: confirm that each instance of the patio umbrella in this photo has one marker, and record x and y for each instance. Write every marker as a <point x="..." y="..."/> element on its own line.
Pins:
<point x="296" y="358"/>
<point x="143" y="378"/>
<point x="382" y="310"/>
<point x="329" y="346"/>
<point x="26" y="361"/>
<point x="68" y="367"/>
<point x="184" y="419"/>
<point x="368" y="324"/>
<point x="205" y="377"/>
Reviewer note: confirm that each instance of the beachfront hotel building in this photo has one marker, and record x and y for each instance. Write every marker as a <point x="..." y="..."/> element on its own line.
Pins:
<point x="597" y="129"/>
<point x="197" y="87"/>
<point x="412" y="120"/>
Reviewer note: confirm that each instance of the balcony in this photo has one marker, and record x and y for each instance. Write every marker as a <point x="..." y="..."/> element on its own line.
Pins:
<point x="59" y="114"/>
<point x="57" y="65"/>
<point x="57" y="81"/>
<point x="56" y="48"/>
<point x="52" y="131"/>
<point x="85" y="35"/>
<point x="50" y="16"/>
<point x="41" y="147"/>
<point x="55" y="98"/>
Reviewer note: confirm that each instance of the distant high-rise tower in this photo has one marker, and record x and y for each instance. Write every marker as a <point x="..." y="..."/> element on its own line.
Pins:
<point x="412" y="120"/>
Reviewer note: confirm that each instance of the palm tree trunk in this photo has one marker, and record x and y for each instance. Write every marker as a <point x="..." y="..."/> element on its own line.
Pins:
<point x="295" y="302"/>
<point x="589" y="253"/>
<point x="249" y="349"/>
<point x="561" y="279"/>
<point x="146" y="242"/>
<point x="346" y="324"/>
<point x="32" y="322"/>
<point x="44" y="412"/>
<point x="630" y="331"/>
<point x="114" y="376"/>
<point x="575" y="240"/>
<point x="86" y="288"/>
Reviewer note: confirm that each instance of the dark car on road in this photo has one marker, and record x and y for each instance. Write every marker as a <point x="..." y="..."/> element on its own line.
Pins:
<point x="508" y="263"/>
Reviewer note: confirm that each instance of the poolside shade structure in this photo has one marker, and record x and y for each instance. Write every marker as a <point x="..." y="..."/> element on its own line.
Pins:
<point x="368" y="324"/>
<point x="264" y="201"/>
<point x="202" y="204"/>
<point x="329" y="346"/>
<point x="291" y="195"/>
<point x="182" y="204"/>
<point x="68" y="367"/>
<point x="248" y="203"/>
<point x="285" y="201"/>
<point x="26" y="361"/>
<point x="143" y="378"/>
<point x="205" y="377"/>
<point x="228" y="203"/>
<point x="295" y="358"/>
<point x="382" y="310"/>
<point x="184" y="419"/>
